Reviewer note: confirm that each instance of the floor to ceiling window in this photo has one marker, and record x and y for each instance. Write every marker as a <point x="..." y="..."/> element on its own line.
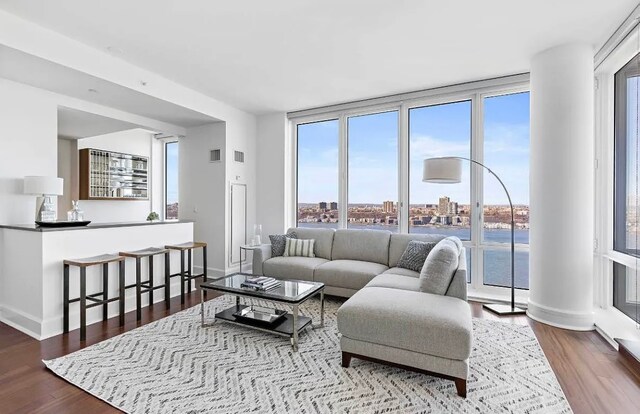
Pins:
<point x="171" y="180"/>
<point x="626" y="218"/>
<point x="362" y="168"/>
<point x="373" y="171"/>
<point x="438" y="131"/>
<point x="317" y="174"/>
<point x="506" y="152"/>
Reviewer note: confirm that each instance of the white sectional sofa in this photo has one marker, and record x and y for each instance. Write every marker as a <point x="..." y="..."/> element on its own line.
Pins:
<point x="348" y="260"/>
<point x="388" y="319"/>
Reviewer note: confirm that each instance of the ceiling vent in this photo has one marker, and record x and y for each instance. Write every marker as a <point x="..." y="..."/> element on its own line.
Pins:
<point x="238" y="156"/>
<point x="214" y="155"/>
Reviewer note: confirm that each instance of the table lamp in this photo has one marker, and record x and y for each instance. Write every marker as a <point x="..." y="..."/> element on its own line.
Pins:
<point x="45" y="188"/>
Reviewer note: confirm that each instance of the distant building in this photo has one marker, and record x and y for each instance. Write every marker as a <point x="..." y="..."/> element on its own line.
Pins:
<point x="388" y="207"/>
<point x="443" y="205"/>
<point x="322" y="205"/>
<point x="452" y="208"/>
<point x="333" y="205"/>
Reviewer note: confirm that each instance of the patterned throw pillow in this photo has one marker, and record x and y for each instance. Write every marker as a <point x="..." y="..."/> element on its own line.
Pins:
<point x="415" y="254"/>
<point x="299" y="247"/>
<point x="278" y="242"/>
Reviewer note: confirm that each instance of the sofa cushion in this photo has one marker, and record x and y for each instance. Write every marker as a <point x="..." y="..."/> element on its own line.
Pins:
<point x="415" y="255"/>
<point x="414" y="321"/>
<point x="363" y="245"/>
<point x="349" y="274"/>
<point x="300" y="268"/>
<point x="299" y="247"/>
<point x="395" y="281"/>
<point x="402" y="272"/>
<point x="278" y="242"/>
<point x="440" y="266"/>
<point x="323" y="238"/>
<point x="399" y="242"/>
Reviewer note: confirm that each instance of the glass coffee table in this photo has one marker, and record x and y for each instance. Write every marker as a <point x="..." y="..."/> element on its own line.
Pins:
<point x="290" y="292"/>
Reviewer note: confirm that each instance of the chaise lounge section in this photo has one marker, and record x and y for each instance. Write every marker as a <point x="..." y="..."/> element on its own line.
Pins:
<point x="388" y="318"/>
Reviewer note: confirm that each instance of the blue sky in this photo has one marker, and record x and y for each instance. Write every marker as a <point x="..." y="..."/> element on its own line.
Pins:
<point x="172" y="172"/>
<point x="439" y="130"/>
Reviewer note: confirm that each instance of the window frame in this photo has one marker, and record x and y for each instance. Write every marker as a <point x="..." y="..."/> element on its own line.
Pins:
<point x="474" y="92"/>
<point x="165" y="192"/>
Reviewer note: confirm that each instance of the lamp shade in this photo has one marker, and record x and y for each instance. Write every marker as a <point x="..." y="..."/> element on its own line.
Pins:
<point x="41" y="185"/>
<point x="445" y="170"/>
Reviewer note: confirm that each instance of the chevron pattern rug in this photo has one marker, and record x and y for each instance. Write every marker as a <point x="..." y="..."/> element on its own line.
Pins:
<point x="175" y="366"/>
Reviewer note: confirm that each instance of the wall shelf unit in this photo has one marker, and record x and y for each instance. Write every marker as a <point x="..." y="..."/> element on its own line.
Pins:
<point x="107" y="175"/>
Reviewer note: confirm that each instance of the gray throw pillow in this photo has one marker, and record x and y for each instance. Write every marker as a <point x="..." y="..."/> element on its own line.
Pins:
<point x="278" y="242"/>
<point x="440" y="266"/>
<point x="415" y="254"/>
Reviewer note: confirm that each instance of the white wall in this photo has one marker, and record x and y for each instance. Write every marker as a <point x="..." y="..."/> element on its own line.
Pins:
<point x="136" y="142"/>
<point x="68" y="171"/>
<point x="272" y="178"/>
<point x="202" y="190"/>
<point x="28" y="146"/>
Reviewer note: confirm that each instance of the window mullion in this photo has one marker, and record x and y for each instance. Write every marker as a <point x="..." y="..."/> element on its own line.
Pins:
<point x="477" y="138"/>
<point x="343" y="168"/>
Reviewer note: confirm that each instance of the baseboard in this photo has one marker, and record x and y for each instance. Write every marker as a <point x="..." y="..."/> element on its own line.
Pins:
<point x="572" y="320"/>
<point x="27" y="324"/>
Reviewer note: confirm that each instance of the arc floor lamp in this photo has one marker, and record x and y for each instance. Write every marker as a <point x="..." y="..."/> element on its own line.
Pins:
<point x="448" y="170"/>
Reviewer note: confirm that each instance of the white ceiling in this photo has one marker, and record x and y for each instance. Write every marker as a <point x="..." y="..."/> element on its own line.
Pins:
<point x="75" y="124"/>
<point x="283" y="55"/>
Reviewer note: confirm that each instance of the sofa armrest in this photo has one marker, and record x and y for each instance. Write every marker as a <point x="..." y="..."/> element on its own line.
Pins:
<point x="458" y="286"/>
<point x="260" y="255"/>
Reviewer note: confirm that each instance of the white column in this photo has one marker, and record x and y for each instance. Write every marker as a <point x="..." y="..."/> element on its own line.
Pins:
<point x="561" y="182"/>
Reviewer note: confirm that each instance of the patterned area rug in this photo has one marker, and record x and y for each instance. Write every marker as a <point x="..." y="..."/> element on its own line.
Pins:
<point x="173" y="365"/>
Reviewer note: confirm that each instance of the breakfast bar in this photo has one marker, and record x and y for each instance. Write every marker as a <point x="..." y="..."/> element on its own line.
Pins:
<point x="31" y="269"/>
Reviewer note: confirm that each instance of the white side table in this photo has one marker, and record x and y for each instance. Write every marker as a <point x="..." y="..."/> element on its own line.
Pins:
<point x="247" y="247"/>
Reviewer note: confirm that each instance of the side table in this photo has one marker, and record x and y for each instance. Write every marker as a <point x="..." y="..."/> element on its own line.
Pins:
<point x="247" y="247"/>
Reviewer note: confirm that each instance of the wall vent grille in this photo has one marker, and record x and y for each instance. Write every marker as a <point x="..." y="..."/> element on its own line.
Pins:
<point x="238" y="156"/>
<point x="214" y="155"/>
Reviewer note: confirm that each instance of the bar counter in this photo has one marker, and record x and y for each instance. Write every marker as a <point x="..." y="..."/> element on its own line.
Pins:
<point x="31" y="271"/>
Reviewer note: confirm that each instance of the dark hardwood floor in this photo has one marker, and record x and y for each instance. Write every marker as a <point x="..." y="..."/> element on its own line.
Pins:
<point x="593" y="376"/>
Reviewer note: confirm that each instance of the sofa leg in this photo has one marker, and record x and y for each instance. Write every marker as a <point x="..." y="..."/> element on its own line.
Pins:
<point x="346" y="359"/>
<point x="461" y="386"/>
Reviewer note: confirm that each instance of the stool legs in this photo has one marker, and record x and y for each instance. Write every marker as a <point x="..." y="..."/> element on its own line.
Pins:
<point x="105" y="291"/>
<point x="138" y="290"/>
<point x="190" y="273"/>
<point x="122" y="290"/>
<point x="204" y="268"/>
<point x="83" y="303"/>
<point x="167" y="281"/>
<point x="65" y="300"/>
<point x="182" y="274"/>
<point x="151" y="280"/>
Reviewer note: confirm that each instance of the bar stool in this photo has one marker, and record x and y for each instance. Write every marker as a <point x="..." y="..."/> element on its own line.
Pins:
<point x="187" y="275"/>
<point x="103" y="260"/>
<point x="149" y="286"/>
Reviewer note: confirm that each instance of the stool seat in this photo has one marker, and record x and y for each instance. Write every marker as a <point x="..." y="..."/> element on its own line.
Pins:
<point x="94" y="260"/>
<point x="150" y="251"/>
<point x="186" y="246"/>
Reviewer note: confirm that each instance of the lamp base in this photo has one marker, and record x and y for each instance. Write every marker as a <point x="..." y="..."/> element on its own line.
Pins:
<point x="504" y="310"/>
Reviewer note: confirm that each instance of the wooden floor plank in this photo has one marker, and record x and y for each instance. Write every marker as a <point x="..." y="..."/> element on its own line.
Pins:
<point x="591" y="373"/>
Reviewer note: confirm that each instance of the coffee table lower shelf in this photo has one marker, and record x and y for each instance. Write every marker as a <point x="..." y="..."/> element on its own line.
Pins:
<point x="283" y="327"/>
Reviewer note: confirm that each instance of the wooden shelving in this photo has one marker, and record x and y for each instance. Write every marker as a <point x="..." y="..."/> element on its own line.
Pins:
<point x="107" y="175"/>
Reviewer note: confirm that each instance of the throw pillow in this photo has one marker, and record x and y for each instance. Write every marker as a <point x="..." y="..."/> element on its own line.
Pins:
<point x="299" y="247"/>
<point x="278" y="242"/>
<point x="415" y="254"/>
<point x="440" y="266"/>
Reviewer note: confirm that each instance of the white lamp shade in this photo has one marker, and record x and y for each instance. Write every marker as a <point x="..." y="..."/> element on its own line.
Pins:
<point x="445" y="170"/>
<point x="41" y="185"/>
